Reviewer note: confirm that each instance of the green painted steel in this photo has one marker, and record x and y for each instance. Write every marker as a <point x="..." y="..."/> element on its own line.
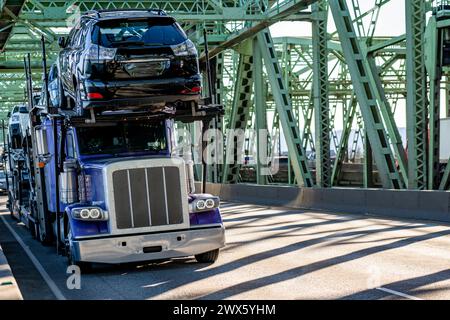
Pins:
<point x="343" y="143"/>
<point x="239" y="118"/>
<point x="433" y="55"/>
<point x="285" y="112"/>
<point x="417" y="129"/>
<point x="260" y="111"/>
<point x="320" y="92"/>
<point x="365" y="92"/>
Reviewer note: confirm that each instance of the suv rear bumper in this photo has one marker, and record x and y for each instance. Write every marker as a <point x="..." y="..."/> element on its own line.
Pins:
<point x="130" y="248"/>
<point x="129" y="94"/>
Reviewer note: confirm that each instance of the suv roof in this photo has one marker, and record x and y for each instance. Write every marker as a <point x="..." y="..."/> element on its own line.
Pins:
<point x="124" y="13"/>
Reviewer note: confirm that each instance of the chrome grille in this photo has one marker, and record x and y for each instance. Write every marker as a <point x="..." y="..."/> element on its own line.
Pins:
<point x="146" y="197"/>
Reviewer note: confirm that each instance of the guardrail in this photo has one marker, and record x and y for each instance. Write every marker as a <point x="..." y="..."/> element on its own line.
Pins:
<point x="409" y="204"/>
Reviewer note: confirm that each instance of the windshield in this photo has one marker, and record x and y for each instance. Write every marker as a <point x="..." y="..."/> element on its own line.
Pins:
<point x="149" y="32"/>
<point x="122" y="138"/>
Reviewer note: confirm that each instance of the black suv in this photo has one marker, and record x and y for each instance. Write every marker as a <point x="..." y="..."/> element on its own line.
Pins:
<point x="127" y="59"/>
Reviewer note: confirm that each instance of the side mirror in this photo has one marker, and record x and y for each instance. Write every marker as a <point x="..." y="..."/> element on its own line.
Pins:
<point x="41" y="141"/>
<point x="62" y="42"/>
<point x="9" y="114"/>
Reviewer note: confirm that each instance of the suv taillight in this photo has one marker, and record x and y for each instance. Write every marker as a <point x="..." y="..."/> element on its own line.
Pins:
<point x="97" y="52"/>
<point x="191" y="90"/>
<point x="186" y="48"/>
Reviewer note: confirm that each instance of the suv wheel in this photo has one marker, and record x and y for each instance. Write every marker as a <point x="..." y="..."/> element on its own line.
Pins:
<point x="78" y="106"/>
<point x="62" y="99"/>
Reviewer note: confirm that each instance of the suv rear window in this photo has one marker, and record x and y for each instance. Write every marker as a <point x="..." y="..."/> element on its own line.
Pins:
<point x="148" y="32"/>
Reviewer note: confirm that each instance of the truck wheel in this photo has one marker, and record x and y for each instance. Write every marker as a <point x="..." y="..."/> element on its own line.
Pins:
<point x="85" y="267"/>
<point x="44" y="238"/>
<point x="10" y="206"/>
<point x="33" y="227"/>
<point x="208" y="257"/>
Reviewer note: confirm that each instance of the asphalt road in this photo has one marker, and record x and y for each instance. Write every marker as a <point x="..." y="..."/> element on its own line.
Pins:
<point x="271" y="253"/>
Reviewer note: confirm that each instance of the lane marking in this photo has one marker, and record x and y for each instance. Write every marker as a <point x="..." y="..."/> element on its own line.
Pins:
<point x="400" y="294"/>
<point x="51" y="284"/>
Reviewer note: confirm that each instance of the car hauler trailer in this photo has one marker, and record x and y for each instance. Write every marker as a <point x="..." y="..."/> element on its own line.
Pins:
<point x="109" y="189"/>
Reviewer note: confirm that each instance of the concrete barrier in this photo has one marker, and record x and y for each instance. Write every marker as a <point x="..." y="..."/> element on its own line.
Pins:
<point x="422" y="205"/>
<point x="8" y="285"/>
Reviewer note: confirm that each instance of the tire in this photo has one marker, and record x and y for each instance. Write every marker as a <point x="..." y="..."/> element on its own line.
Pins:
<point x="10" y="206"/>
<point x="46" y="238"/>
<point x="61" y="97"/>
<point x="33" y="227"/>
<point x="77" y="103"/>
<point x="78" y="107"/>
<point x="85" y="267"/>
<point x="208" y="257"/>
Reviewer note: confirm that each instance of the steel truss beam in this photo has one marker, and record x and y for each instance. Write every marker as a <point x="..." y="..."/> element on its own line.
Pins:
<point x="320" y="92"/>
<point x="365" y="92"/>
<point x="417" y="94"/>
<point x="275" y="14"/>
<point x="260" y="111"/>
<point x="434" y="37"/>
<point x="240" y="115"/>
<point x="284" y="109"/>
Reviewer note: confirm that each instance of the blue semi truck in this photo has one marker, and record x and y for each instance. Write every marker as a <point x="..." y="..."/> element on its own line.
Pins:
<point x="112" y="190"/>
<point x="109" y="187"/>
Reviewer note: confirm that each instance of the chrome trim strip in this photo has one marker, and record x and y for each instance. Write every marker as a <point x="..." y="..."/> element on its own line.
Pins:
<point x="148" y="198"/>
<point x="145" y="60"/>
<point x="131" y="199"/>
<point x="165" y="195"/>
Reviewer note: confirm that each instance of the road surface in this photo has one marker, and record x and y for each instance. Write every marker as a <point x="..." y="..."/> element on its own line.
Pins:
<point x="271" y="253"/>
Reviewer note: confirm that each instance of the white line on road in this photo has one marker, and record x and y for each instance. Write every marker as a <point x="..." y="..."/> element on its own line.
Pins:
<point x="58" y="294"/>
<point x="404" y="295"/>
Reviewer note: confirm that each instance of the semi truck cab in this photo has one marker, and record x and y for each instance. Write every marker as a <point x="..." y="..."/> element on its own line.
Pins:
<point x="124" y="196"/>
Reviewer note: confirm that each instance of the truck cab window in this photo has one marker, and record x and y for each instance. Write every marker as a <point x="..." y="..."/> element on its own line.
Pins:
<point x="121" y="138"/>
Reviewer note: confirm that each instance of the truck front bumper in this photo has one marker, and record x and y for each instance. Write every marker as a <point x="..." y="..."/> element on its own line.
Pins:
<point x="146" y="247"/>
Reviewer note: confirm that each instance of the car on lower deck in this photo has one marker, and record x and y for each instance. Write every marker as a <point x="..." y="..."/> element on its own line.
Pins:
<point x="18" y="124"/>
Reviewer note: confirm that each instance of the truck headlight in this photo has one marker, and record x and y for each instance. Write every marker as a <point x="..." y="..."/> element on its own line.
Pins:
<point x="95" y="213"/>
<point x="84" y="213"/>
<point x="89" y="214"/>
<point x="204" y="204"/>
<point x="200" y="205"/>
